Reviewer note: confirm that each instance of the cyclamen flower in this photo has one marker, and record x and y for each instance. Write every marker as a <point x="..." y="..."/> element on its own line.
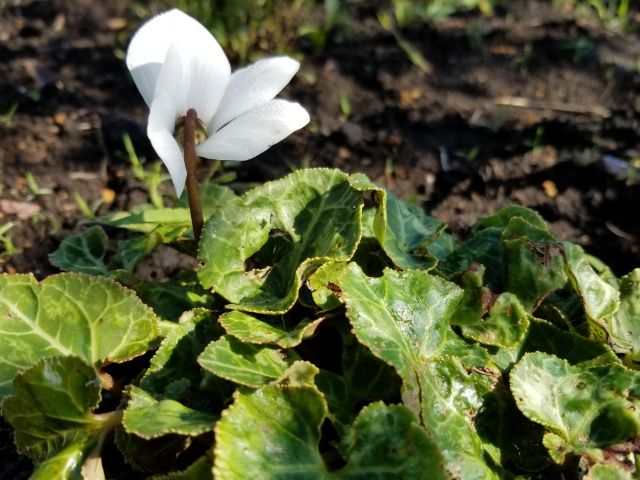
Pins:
<point x="177" y="65"/>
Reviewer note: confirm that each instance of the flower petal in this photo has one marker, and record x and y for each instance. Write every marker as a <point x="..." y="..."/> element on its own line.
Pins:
<point x="149" y="46"/>
<point x="252" y="86"/>
<point x="195" y="71"/>
<point x="162" y="117"/>
<point x="255" y="131"/>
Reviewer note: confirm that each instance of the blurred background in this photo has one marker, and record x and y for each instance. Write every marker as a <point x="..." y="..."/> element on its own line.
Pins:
<point x="460" y="106"/>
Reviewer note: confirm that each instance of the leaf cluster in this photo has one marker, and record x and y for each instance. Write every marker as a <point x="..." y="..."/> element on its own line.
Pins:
<point x="330" y="330"/>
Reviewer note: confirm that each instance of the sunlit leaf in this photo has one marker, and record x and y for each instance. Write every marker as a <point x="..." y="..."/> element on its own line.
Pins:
<point x="404" y="318"/>
<point x="404" y="231"/>
<point x="585" y="409"/>
<point x="93" y="318"/>
<point x="280" y="425"/>
<point x="258" y="249"/>
<point x="599" y="298"/>
<point x="624" y="327"/>
<point x="148" y="418"/>
<point x="388" y="442"/>
<point x="498" y="320"/>
<point x="252" y="329"/>
<point x="243" y="363"/>
<point x="535" y="265"/>
<point x="51" y="414"/>
<point x="212" y="197"/>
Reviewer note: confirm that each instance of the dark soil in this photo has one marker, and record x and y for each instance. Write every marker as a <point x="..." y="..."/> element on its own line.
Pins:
<point x="452" y="139"/>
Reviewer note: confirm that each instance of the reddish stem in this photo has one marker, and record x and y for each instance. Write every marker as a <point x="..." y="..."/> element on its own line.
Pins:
<point x="190" y="161"/>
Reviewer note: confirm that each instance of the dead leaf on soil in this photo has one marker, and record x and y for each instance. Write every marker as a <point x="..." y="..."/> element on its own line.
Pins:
<point x="550" y="189"/>
<point x="22" y="210"/>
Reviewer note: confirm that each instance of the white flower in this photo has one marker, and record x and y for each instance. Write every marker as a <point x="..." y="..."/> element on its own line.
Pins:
<point x="177" y="65"/>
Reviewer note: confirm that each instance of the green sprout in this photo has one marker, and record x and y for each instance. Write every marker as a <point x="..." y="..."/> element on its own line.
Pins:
<point x="88" y="211"/>
<point x="151" y="178"/>
<point x="345" y="104"/>
<point x="7" y="246"/>
<point x="6" y="118"/>
<point x="35" y="188"/>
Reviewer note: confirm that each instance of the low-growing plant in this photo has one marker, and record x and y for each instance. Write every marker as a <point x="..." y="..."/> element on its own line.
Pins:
<point x="615" y="13"/>
<point x="322" y="328"/>
<point x="331" y="330"/>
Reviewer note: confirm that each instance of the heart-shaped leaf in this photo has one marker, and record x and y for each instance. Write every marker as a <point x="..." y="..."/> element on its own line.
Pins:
<point x="600" y="299"/>
<point x="404" y="231"/>
<point x="404" y="318"/>
<point x="51" y="414"/>
<point x="258" y="249"/>
<point x="93" y="318"/>
<point x="83" y="252"/>
<point x="584" y="408"/>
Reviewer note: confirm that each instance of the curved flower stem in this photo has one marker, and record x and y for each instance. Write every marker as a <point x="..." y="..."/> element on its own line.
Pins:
<point x="190" y="161"/>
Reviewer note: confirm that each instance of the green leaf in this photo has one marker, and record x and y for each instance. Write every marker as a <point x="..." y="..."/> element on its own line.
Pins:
<point x="404" y="231"/>
<point x="323" y="284"/>
<point x="403" y="317"/>
<point x="543" y="336"/>
<point x="518" y="252"/>
<point x="258" y="249"/>
<point x="451" y="397"/>
<point x="212" y="197"/>
<point x="511" y="439"/>
<point x="172" y="298"/>
<point x="624" y="327"/>
<point x="83" y="252"/>
<point x="65" y="464"/>
<point x="484" y="248"/>
<point x="174" y="372"/>
<point x="149" y="219"/>
<point x="251" y="329"/>
<point x="279" y="425"/>
<point x="148" y="418"/>
<point x="498" y="320"/>
<point x="584" y="408"/>
<point x="599" y="298"/>
<point x="535" y="266"/>
<point x="243" y="363"/>
<point x="388" y="442"/>
<point x="607" y="472"/>
<point x="93" y="318"/>
<point x="158" y="455"/>
<point x="130" y="251"/>
<point x="364" y="379"/>
<point x="201" y="469"/>
<point x="502" y="218"/>
<point x="51" y="412"/>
